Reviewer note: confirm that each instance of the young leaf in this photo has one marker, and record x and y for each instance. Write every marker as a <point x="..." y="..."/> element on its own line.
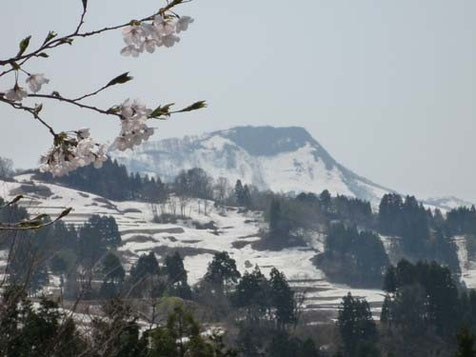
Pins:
<point x="15" y="200"/>
<point x="114" y="110"/>
<point x="123" y="78"/>
<point x="24" y="45"/>
<point x="161" y="111"/>
<point x="64" y="213"/>
<point x="195" y="106"/>
<point x="51" y="35"/>
<point x="38" y="108"/>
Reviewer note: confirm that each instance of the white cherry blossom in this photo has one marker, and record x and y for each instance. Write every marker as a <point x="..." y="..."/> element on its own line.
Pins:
<point x="183" y="23"/>
<point x="16" y="94"/>
<point x="163" y="26"/>
<point x="149" y="45"/>
<point x="133" y="35"/>
<point x="36" y="81"/>
<point x="148" y="36"/>
<point x="134" y="129"/>
<point x="83" y="133"/>
<point x="70" y="153"/>
<point x="131" y="50"/>
<point x="170" y="40"/>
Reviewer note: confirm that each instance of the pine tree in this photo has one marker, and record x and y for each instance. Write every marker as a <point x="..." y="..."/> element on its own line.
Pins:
<point x="177" y="276"/>
<point x="282" y="298"/>
<point x="356" y="326"/>
<point x="222" y="270"/>
<point x="147" y="265"/>
<point x="252" y="294"/>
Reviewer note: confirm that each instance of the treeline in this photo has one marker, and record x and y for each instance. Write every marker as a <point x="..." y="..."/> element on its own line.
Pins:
<point x="112" y="181"/>
<point x="353" y="257"/>
<point x="353" y="253"/>
<point x="353" y="249"/>
<point x="425" y="313"/>
<point x="416" y="232"/>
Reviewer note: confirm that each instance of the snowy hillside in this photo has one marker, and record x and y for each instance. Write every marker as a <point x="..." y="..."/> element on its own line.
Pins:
<point x="447" y="203"/>
<point x="280" y="159"/>
<point x="233" y="231"/>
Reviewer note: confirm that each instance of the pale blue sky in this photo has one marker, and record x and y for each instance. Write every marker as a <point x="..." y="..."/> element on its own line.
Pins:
<point x="387" y="86"/>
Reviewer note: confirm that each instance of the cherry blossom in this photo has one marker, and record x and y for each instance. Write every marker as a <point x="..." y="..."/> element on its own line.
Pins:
<point x="16" y="94"/>
<point x="170" y="40"/>
<point x="149" y="36"/>
<point x="133" y="35"/>
<point x="69" y="153"/>
<point x="36" y="81"/>
<point x="134" y="129"/>
<point x="131" y="50"/>
<point x="183" y="23"/>
<point x="149" y="45"/>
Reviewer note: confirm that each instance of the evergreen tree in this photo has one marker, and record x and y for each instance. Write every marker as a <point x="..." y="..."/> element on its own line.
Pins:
<point x="425" y="294"/>
<point x="252" y="294"/>
<point x="146" y="265"/>
<point x="354" y="257"/>
<point x="356" y="326"/>
<point x="282" y="298"/>
<point x="177" y="276"/>
<point x="222" y="270"/>
<point x="96" y="236"/>
<point x="325" y="199"/>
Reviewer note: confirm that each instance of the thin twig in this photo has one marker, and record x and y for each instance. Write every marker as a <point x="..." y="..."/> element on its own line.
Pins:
<point x="74" y="102"/>
<point x="32" y="111"/>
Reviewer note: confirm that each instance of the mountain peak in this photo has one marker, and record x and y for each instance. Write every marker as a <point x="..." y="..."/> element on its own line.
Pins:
<point x="283" y="159"/>
<point x="268" y="140"/>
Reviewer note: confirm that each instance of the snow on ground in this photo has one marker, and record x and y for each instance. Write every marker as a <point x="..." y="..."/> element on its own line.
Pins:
<point x="467" y="266"/>
<point x="234" y="232"/>
<point x="291" y="171"/>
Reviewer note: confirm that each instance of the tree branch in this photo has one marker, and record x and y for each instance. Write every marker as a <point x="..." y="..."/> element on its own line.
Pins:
<point x="32" y="111"/>
<point x="74" y="102"/>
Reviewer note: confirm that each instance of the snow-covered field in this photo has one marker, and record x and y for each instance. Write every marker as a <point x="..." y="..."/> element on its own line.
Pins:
<point x="233" y="231"/>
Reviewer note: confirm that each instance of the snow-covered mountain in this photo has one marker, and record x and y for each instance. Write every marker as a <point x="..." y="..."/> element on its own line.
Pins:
<point x="447" y="203"/>
<point x="284" y="159"/>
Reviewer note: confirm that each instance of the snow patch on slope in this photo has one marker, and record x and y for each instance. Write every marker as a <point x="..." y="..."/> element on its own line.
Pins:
<point x="135" y="219"/>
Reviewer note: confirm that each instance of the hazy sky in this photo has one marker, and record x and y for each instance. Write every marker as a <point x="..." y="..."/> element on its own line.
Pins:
<point x="388" y="87"/>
